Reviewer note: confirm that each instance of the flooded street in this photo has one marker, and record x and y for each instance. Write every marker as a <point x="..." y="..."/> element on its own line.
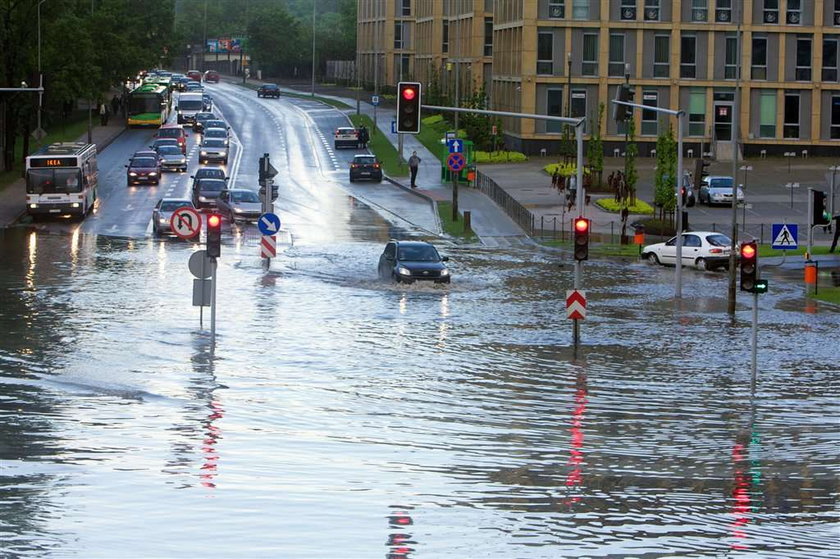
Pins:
<point x="345" y="416"/>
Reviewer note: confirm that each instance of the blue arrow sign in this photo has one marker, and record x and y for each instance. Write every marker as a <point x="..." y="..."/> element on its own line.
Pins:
<point x="784" y="236"/>
<point x="393" y="127"/>
<point x="456" y="146"/>
<point x="269" y="224"/>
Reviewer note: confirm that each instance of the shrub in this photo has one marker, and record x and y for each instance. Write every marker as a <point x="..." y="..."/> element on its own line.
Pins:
<point x="610" y="205"/>
<point x="434" y="119"/>
<point x="500" y="157"/>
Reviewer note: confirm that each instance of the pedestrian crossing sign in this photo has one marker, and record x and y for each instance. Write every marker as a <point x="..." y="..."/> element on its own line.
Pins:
<point x="784" y="236"/>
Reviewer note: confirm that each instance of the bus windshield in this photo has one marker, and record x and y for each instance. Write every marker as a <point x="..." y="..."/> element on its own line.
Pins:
<point x="53" y="181"/>
<point x="139" y="104"/>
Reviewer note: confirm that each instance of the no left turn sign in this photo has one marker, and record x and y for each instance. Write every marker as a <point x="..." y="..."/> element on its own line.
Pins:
<point x="185" y="222"/>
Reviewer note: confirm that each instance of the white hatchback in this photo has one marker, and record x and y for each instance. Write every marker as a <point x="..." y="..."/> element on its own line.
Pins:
<point x="706" y="250"/>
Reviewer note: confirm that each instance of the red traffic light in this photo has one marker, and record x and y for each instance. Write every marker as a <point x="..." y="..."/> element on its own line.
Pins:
<point x="214" y="220"/>
<point x="409" y="93"/>
<point x="581" y="225"/>
<point x="748" y="251"/>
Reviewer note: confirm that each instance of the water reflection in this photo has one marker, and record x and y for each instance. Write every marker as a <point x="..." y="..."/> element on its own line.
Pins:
<point x="399" y="541"/>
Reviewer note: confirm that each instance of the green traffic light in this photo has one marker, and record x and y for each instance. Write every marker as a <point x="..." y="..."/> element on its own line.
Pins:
<point x="760" y="286"/>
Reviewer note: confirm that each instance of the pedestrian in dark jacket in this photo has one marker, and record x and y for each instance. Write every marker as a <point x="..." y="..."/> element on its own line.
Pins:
<point x="414" y="166"/>
<point x="364" y="136"/>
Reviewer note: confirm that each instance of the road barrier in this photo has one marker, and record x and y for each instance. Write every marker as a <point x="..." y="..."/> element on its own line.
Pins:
<point x="516" y="211"/>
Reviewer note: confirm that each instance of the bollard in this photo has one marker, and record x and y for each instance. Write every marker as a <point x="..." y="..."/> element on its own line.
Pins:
<point x="639" y="237"/>
<point x="811" y="273"/>
<point x="467" y="221"/>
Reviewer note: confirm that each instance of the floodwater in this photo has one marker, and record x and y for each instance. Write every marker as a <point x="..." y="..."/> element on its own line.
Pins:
<point x="342" y="416"/>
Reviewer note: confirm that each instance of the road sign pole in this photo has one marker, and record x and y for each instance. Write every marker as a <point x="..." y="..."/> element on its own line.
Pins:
<point x="455" y="195"/>
<point x="214" y="266"/>
<point x="810" y="225"/>
<point x="754" y="338"/>
<point x="581" y="197"/>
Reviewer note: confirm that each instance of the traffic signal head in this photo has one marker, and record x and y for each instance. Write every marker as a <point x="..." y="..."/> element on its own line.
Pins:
<point x="819" y="215"/>
<point x="214" y="235"/>
<point x="749" y="266"/>
<point x="408" y="107"/>
<point x="624" y="94"/>
<point x="581" y="248"/>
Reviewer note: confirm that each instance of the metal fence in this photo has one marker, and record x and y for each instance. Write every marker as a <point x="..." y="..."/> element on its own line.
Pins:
<point x="516" y="211"/>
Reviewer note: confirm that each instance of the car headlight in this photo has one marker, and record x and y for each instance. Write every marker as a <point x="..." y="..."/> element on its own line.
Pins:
<point x="33" y="206"/>
<point x="163" y="221"/>
<point x="203" y="153"/>
<point x="75" y="205"/>
<point x="403" y="271"/>
<point x="444" y="272"/>
<point x="132" y="174"/>
<point x="237" y="210"/>
<point x="152" y="174"/>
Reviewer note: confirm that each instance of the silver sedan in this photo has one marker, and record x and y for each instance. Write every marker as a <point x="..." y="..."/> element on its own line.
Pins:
<point x="240" y="204"/>
<point x="162" y="214"/>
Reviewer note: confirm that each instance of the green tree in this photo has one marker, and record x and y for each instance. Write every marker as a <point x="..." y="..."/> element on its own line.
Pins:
<point x="277" y="53"/>
<point x="595" y="148"/>
<point x="631" y="175"/>
<point x="666" y="170"/>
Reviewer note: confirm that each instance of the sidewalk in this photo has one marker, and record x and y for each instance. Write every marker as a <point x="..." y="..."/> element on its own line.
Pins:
<point x="13" y="197"/>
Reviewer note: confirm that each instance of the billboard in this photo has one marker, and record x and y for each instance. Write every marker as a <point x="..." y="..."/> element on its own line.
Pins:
<point x="225" y="44"/>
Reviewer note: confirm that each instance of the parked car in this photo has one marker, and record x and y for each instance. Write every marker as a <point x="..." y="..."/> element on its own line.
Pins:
<point x="213" y="149"/>
<point x="718" y="190"/>
<point x="201" y="118"/>
<point x="174" y="131"/>
<point x="143" y="170"/>
<point x="410" y="261"/>
<point x="269" y="90"/>
<point x="171" y="159"/>
<point x="214" y="132"/>
<point x="206" y="192"/>
<point x="240" y="204"/>
<point x="346" y="137"/>
<point x="365" y="167"/>
<point x="208" y="173"/>
<point x="194" y="75"/>
<point x="706" y="250"/>
<point x="211" y="76"/>
<point x="162" y="213"/>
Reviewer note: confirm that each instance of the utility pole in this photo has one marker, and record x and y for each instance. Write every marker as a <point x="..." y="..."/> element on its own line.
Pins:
<point x="457" y="66"/>
<point x="736" y="117"/>
<point x="314" y="2"/>
<point x="204" y="45"/>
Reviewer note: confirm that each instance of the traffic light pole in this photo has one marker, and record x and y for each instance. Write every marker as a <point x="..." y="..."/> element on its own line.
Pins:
<point x="810" y="224"/>
<point x="754" y="336"/>
<point x="213" y="267"/>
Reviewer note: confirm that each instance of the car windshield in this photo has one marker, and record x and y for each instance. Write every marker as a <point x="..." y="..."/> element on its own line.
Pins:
<point x="166" y="142"/>
<point x="419" y="253"/>
<point x="209" y="172"/>
<point x="205" y="116"/>
<point x="169" y="150"/>
<point x="174" y="205"/>
<point x="212" y="184"/>
<point x="270" y="86"/>
<point x="214" y="143"/>
<point x="143" y="162"/>
<point x="365" y="160"/>
<point x="346" y="130"/>
<point x="721" y="182"/>
<point x="244" y="196"/>
<point x="170" y="133"/>
<point x="215" y="124"/>
<point x="718" y="240"/>
<point x="216" y="133"/>
<point x="190" y="105"/>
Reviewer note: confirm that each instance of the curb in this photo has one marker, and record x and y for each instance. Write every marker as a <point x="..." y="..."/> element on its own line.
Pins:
<point x="432" y="201"/>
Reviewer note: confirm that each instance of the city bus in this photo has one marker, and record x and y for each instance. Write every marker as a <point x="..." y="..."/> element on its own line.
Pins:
<point x="149" y="105"/>
<point x="61" y="179"/>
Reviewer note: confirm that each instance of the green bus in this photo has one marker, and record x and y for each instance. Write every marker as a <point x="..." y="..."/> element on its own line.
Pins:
<point x="149" y="105"/>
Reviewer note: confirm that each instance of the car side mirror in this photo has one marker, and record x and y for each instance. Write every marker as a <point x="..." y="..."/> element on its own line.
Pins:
<point x="444" y="259"/>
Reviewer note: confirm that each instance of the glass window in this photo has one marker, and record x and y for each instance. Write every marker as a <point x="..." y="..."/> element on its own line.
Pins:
<point x="650" y="119"/>
<point x="837" y="12"/>
<point x="831" y="46"/>
<point x="616" y="66"/>
<point x="688" y="56"/>
<point x="723" y="11"/>
<point x="794" y="12"/>
<point x="730" y="67"/>
<point x="554" y="107"/>
<point x="651" y="10"/>
<point x="406" y="7"/>
<point x="834" y="132"/>
<point x="556" y="9"/>
<point x="699" y="10"/>
<point x="791" y="121"/>
<point x="697" y="112"/>
<point x="771" y="11"/>
<point x="759" y="58"/>
<point x="767" y="114"/>
<point x="628" y="10"/>
<point x="589" y="62"/>
<point x="488" y="36"/>
<point x="578" y="103"/>
<point x="803" y="59"/>
<point x="445" y="36"/>
<point x="398" y="34"/>
<point x="661" y="55"/>
<point x="545" y="53"/>
<point x="580" y="9"/>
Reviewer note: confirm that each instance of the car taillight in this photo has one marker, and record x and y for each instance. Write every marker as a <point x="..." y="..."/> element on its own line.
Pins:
<point x="715" y="250"/>
<point x="353" y="165"/>
<point x="376" y="165"/>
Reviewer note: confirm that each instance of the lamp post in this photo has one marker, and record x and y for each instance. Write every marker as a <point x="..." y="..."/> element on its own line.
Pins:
<point x="314" y="2"/>
<point x="626" y="124"/>
<point x="39" y="133"/>
<point x="746" y="169"/>
<point x="569" y="104"/>
<point x="833" y="169"/>
<point x="789" y="155"/>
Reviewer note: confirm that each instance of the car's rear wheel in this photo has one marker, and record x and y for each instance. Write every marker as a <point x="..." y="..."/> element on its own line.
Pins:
<point x="701" y="264"/>
<point x="652" y="258"/>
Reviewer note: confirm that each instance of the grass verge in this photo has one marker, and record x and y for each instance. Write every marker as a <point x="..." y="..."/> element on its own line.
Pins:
<point x="382" y="148"/>
<point x="599" y="249"/>
<point x="828" y="294"/>
<point x="766" y="250"/>
<point x="454" y="228"/>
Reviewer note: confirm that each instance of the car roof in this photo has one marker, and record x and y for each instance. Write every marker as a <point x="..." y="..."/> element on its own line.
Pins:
<point x="346" y="128"/>
<point x="412" y="243"/>
<point x="175" y="200"/>
<point x="168" y="126"/>
<point x="364" y="155"/>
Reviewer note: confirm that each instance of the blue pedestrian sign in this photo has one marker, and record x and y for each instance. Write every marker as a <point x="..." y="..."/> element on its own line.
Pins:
<point x="269" y="224"/>
<point x="455" y="146"/>
<point x="784" y="236"/>
<point x="374" y="100"/>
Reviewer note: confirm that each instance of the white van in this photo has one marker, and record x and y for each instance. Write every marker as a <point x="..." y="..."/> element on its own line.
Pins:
<point x="189" y="104"/>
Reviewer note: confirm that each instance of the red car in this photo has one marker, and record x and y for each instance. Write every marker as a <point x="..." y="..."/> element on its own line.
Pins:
<point x="194" y="75"/>
<point x="211" y="76"/>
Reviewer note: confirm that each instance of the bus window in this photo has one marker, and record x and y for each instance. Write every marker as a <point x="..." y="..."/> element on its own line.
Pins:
<point x="39" y="181"/>
<point x="68" y="180"/>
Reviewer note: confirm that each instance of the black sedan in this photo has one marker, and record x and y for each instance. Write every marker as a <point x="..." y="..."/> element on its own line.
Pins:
<point x="269" y="90"/>
<point x="365" y="167"/>
<point x="143" y="170"/>
<point x="410" y="261"/>
<point x="206" y="192"/>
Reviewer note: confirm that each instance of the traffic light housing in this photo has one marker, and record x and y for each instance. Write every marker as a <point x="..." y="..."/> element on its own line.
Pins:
<point x="749" y="266"/>
<point x="214" y="235"/>
<point x="819" y="215"/>
<point x="581" y="249"/>
<point x="408" y="107"/>
<point x="701" y="169"/>
<point x="624" y="94"/>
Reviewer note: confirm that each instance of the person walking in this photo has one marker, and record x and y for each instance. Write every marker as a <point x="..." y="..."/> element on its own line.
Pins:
<point x="364" y="136"/>
<point x="414" y="166"/>
<point x="103" y="114"/>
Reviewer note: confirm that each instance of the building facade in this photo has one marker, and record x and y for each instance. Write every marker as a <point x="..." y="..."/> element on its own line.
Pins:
<point x="766" y="70"/>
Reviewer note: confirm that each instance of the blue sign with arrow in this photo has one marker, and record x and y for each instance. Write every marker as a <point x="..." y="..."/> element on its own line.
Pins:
<point x="269" y="224"/>
<point x="456" y="146"/>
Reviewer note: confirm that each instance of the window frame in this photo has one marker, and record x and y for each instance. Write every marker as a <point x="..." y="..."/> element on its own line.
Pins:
<point x="580" y="9"/>
<point x="488" y="46"/>
<point x="699" y="11"/>
<point x="791" y="129"/>
<point x="399" y="36"/>
<point x="650" y="119"/>
<point x="587" y="64"/>
<point x="771" y="15"/>
<point x="553" y="126"/>
<point x="666" y="64"/>
<point x="556" y="9"/>
<point x="834" y="117"/>
<point x="613" y="63"/>
<point x="406" y="8"/>
<point x="767" y="130"/>
<point x="627" y="10"/>
<point x="693" y="120"/>
<point x="723" y="11"/>
<point x="445" y="36"/>
<point x="652" y="10"/>
<point x="803" y="73"/>
<point x="730" y="70"/>
<point x="545" y="63"/>
<point x="827" y="52"/>
<point x="794" y="15"/>
<point x="756" y="69"/>
<point x="684" y="65"/>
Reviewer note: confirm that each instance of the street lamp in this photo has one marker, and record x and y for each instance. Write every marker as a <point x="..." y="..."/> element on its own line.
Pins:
<point x="746" y="169"/>
<point x="569" y="104"/>
<point x="313" y="47"/>
<point x="789" y="155"/>
<point x="833" y="169"/>
<point x="38" y="132"/>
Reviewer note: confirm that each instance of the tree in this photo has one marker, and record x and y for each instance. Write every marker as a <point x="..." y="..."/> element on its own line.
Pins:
<point x="277" y="53"/>
<point x="595" y="149"/>
<point x="666" y="170"/>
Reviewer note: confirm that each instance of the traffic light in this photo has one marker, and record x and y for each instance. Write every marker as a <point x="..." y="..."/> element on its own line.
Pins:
<point x="624" y="94"/>
<point x="214" y="235"/>
<point x="819" y="215"/>
<point x="581" y="249"/>
<point x="408" y="107"/>
<point x="749" y="266"/>
<point x="701" y="167"/>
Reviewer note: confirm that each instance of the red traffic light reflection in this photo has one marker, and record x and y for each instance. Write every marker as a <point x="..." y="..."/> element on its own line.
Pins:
<point x="409" y="93"/>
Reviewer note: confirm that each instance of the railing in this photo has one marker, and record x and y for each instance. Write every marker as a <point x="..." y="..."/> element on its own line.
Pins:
<point x="516" y="211"/>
